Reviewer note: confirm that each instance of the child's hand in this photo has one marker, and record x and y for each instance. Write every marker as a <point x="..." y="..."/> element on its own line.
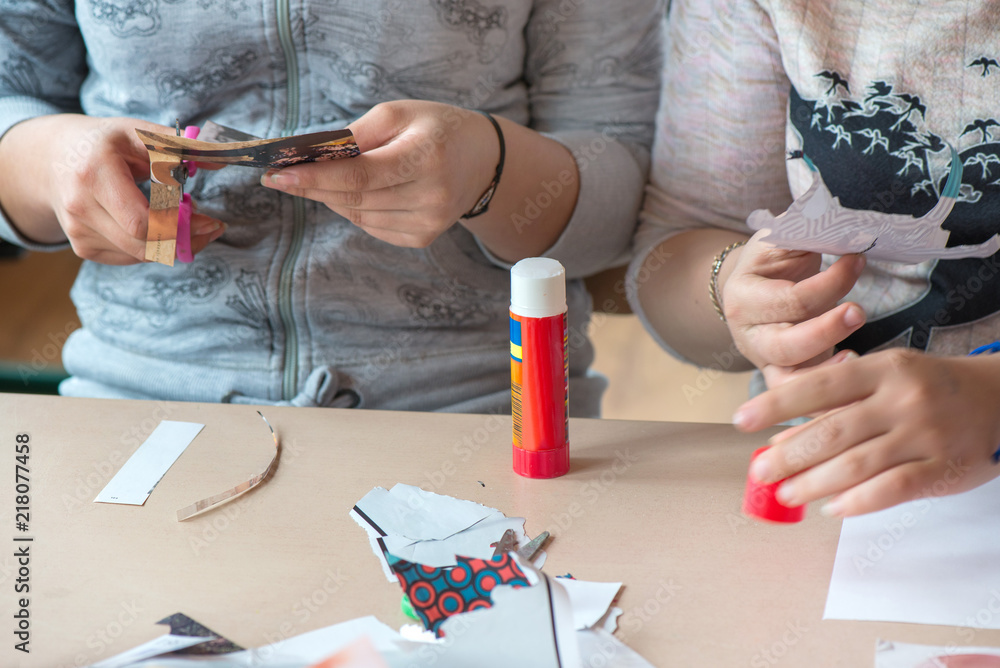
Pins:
<point x="783" y="312"/>
<point x="423" y="165"/>
<point x="73" y="177"/>
<point x="898" y="425"/>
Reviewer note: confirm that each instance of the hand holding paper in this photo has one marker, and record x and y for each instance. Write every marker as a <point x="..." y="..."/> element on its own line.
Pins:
<point x="73" y="177"/>
<point x="423" y="165"/>
<point x="783" y="312"/>
<point x="897" y="423"/>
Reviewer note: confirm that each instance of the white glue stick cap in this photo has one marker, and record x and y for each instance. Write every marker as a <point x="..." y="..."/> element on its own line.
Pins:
<point x="537" y="288"/>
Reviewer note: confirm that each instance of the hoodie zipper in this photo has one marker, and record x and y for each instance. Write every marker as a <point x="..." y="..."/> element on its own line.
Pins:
<point x="290" y="379"/>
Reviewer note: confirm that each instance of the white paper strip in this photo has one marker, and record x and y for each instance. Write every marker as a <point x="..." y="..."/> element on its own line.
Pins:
<point x="930" y="561"/>
<point x="136" y="479"/>
<point x="155" y="647"/>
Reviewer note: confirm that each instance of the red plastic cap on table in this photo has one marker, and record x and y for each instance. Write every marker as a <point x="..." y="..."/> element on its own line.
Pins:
<point x="759" y="500"/>
<point x="541" y="463"/>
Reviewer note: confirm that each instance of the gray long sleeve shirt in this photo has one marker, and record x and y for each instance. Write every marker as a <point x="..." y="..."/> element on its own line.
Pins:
<point x="294" y="303"/>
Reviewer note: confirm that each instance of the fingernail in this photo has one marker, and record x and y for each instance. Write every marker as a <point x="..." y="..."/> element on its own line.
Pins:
<point x="207" y="228"/>
<point x="849" y="355"/>
<point x="786" y="495"/>
<point x="218" y="233"/>
<point x="742" y="417"/>
<point x="854" y="316"/>
<point x="832" y="508"/>
<point x="760" y="470"/>
<point x="279" y="180"/>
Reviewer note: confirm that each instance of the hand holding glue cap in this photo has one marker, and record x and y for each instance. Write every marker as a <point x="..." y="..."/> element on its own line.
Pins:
<point x="759" y="500"/>
<point x="539" y="371"/>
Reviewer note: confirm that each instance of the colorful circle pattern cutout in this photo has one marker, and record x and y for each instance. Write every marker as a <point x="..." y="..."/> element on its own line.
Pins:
<point x="439" y="593"/>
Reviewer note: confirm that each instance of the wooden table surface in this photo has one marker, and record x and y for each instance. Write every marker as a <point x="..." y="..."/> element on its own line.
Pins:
<point x="652" y="504"/>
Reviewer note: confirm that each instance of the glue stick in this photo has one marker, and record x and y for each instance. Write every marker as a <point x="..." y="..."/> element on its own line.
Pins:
<point x="539" y="368"/>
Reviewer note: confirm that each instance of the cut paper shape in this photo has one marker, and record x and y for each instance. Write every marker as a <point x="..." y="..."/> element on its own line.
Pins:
<point x="524" y="626"/>
<point x="430" y="529"/>
<point x="438" y="593"/>
<point x="529" y="626"/>
<point x="598" y="646"/>
<point x="245" y="486"/>
<point x="909" y="655"/>
<point x="817" y="222"/>
<point x="359" y="654"/>
<point x="182" y="625"/>
<point x="138" y="476"/>
<point x="165" y="644"/>
<point x="929" y="561"/>
<point x="301" y="651"/>
<point x="590" y="601"/>
<point x="274" y="153"/>
<point x="221" y="145"/>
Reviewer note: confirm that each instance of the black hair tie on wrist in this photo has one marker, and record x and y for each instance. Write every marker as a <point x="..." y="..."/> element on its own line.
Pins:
<point x="483" y="205"/>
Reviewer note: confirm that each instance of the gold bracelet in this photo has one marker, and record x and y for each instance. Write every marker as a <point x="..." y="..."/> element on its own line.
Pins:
<point x="713" y="281"/>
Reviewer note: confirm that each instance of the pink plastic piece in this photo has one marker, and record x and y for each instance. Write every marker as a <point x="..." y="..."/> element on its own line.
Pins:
<point x="184" y="230"/>
<point x="759" y="500"/>
<point x="191" y="132"/>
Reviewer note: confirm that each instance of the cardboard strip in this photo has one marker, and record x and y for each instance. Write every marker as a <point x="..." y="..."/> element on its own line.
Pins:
<point x="245" y="486"/>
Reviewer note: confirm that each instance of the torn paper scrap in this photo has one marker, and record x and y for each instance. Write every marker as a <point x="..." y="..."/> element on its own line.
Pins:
<point x="525" y="626"/>
<point x="171" y="160"/>
<point x="317" y="645"/>
<point x="430" y="528"/>
<point x="590" y="600"/>
<point x="182" y="625"/>
<point x="599" y="648"/>
<point x="438" y="593"/>
<point x="442" y="552"/>
<point x="908" y="655"/>
<point x="817" y="222"/>
<point x="137" y="477"/>
<point x="163" y="645"/>
<point x="359" y="654"/>
<point x="301" y="651"/>
<point x="929" y="561"/>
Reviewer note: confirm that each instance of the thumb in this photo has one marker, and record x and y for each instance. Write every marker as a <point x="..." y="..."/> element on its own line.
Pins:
<point x="381" y="125"/>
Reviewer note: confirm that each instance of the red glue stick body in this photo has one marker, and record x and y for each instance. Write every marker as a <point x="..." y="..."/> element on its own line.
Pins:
<point x="539" y="368"/>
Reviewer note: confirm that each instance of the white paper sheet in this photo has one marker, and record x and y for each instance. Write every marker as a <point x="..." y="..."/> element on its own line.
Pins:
<point x="137" y="477"/>
<point x="590" y="600"/>
<point x="907" y="655"/>
<point x="525" y="626"/>
<point x="430" y="528"/>
<point x="155" y="647"/>
<point x="296" y="652"/>
<point x="931" y="561"/>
